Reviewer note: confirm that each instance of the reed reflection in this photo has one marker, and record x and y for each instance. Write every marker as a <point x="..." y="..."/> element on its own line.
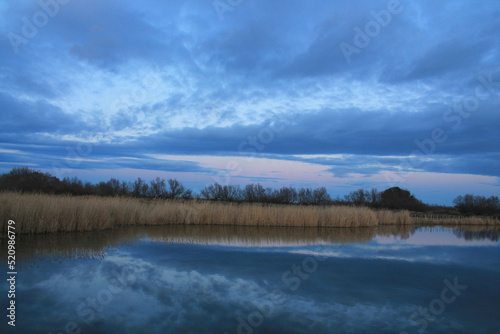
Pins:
<point x="87" y="245"/>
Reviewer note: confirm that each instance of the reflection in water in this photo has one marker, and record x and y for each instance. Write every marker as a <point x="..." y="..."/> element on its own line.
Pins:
<point x="78" y="245"/>
<point x="482" y="234"/>
<point x="215" y="279"/>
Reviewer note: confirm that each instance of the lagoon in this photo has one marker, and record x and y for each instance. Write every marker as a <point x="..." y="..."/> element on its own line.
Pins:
<point x="215" y="279"/>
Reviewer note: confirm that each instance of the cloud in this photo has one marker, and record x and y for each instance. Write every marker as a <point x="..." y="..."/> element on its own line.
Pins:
<point x="180" y="298"/>
<point x="21" y="116"/>
<point x="182" y="291"/>
<point x="108" y="34"/>
<point x="337" y="132"/>
<point x="369" y="142"/>
<point x="217" y="84"/>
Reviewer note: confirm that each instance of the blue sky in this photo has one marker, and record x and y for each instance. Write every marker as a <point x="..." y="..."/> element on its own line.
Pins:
<point x="341" y="94"/>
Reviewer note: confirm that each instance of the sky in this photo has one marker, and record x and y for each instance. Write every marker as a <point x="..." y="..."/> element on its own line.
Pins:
<point x="340" y="94"/>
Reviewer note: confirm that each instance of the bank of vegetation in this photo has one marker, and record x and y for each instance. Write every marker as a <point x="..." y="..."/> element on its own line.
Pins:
<point x="42" y="203"/>
<point x="42" y="213"/>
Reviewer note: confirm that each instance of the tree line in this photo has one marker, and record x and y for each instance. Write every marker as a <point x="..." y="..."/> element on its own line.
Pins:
<point x="477" y="205"/>
<point x="24" y="179"/>
<point x="256" y="193"/>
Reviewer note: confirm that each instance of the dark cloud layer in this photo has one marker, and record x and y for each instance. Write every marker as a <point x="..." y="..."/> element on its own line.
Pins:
<point x="220" y="80"/>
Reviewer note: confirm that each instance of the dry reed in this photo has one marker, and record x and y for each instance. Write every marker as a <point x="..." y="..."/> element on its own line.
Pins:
<point x="40" y="213"/>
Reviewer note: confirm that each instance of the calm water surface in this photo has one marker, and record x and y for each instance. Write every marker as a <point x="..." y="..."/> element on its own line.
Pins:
<point x="254" y="280"/>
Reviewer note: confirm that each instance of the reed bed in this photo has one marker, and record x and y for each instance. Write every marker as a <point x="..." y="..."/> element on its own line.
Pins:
<point x="479" y="221"/>
<point x="41" y="213"/>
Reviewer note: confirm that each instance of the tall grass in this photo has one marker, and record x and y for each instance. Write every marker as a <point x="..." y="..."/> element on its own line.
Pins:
<point x="40" y="213"/>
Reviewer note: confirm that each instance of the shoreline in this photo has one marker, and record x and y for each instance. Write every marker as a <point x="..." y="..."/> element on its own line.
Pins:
<point x="43" y="213"/>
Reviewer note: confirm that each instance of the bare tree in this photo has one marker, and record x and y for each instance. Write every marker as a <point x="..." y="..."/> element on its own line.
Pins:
<point x="375" y="197"/>
<point x="188" y="194"/>
<point x="218" y="192"/>
<point x="358" y="197"/>
<point x="175" y="188"/>
<point x="139" y="188"/>
<point x="478" y="205"/>
<point x="287" y="195"/>
<point x="158" y="187"/>
<point x="305" y="196"/>
<point x="209" y="192"/>
<point x="124" y="188"/>
<point x="321" y="196"/>
<point x="254" y="193"/>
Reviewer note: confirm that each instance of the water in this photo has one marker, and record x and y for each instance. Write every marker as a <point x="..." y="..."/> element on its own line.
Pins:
<point x="254" y="280"/>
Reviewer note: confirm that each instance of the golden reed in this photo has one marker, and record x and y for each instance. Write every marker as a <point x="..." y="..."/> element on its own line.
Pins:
<point x="40" y="213"/>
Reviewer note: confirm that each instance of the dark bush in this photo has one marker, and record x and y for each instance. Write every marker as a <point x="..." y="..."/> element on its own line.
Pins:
<point x="396" y="198"/>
